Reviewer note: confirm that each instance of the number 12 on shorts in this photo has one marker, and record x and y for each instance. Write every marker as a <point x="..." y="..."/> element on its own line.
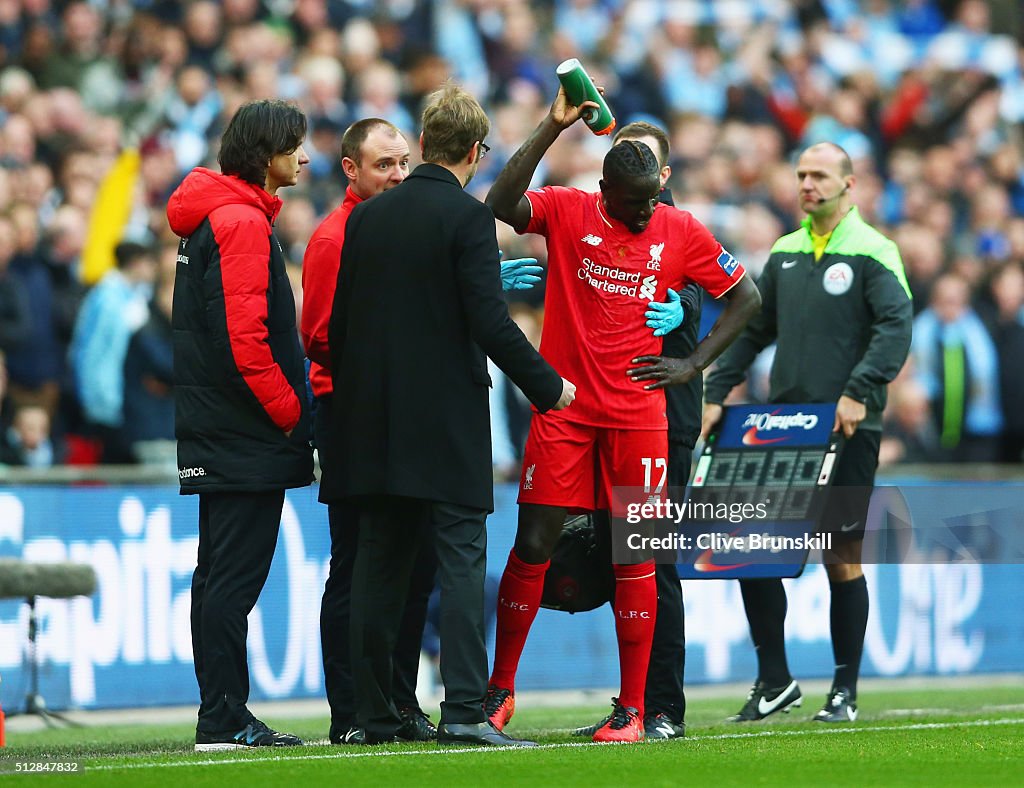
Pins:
<point x="653" y="465"/>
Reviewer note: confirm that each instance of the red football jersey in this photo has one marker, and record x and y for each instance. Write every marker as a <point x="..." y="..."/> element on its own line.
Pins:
<point x="600" y="279"/>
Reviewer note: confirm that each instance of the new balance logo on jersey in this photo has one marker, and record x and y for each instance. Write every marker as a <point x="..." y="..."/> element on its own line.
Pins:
<point x="654" y="264"/>
<point x="593" y="240"/>
<point x="648" y="288"/>
<point x="528" y="481"/>
<point x="189" y="473"/>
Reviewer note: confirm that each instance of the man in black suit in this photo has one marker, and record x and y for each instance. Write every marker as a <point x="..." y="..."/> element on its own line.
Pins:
<point x="418" y="308"/>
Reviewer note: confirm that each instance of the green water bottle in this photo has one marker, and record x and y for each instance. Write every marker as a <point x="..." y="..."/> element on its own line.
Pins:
<point x="579" y="87"/>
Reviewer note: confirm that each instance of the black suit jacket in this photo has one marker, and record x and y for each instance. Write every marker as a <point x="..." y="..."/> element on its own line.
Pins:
<point x="417" y="308"/>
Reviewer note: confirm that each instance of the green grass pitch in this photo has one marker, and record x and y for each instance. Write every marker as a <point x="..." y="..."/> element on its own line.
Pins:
<point x="972" y="735"/>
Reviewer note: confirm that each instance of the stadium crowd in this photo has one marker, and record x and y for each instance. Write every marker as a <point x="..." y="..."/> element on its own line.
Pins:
<point x="106" y="105"/>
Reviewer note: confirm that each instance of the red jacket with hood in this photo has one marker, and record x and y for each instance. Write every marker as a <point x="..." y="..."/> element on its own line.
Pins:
<point x="239" y="374"/>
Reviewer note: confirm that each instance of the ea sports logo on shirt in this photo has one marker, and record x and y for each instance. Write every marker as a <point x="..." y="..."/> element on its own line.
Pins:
<point x="838" y="279"/>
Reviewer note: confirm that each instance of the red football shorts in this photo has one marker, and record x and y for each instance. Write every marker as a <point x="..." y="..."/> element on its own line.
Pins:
<point x="577" y="465"/>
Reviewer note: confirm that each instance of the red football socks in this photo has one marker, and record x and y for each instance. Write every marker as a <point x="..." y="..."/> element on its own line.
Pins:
<point x="518" y="599"/>
<point x="636" y="606"/>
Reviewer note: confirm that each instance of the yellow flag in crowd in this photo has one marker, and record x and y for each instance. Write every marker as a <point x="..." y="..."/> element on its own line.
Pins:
<point x="110" y="214"/>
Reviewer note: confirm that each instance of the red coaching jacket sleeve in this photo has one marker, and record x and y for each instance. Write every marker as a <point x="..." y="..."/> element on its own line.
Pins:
<point x="320" y="266"/>
<point x="244" y="246"/>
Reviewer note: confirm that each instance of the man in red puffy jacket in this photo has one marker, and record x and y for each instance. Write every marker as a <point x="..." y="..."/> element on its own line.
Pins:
<point x="241" y="416"/>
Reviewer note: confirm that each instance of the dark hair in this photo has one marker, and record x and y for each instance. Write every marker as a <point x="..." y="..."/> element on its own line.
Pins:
<point x="259" y="131"/>
<point x="640" y="128"/>
<point x="126" y="253"/>
<point x="356" y="134"/>
<point x="628" y="160"/>
<point x="452" y="122"/>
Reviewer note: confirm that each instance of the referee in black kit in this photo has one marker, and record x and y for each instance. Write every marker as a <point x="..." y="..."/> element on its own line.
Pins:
<point x="835" y="300"/>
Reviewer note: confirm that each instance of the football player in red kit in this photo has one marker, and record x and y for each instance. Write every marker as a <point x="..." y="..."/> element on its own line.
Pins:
<point x="610" y="253"/>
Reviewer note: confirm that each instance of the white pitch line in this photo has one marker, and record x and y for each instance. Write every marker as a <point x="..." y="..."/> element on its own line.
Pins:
<point x="830" y="731"/>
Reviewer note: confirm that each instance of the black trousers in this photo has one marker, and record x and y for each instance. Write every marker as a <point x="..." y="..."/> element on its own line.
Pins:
<point x="385" y="561"/>
<point x="335" y="619"/>
<point x="237" y="537"/>
<point x="664" y="691"/>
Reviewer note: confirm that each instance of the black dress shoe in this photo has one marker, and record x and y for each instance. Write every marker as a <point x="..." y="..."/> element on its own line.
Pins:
<point x="477" y="733"/>
<point x="416" y="726"/>
<point x="378" y="738"/>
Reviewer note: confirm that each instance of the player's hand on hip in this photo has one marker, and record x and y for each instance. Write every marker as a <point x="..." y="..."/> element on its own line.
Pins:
<point x="849" y="414"/>
<point x="712" y="415"/>
<point x="521" y="274"/>
<point x="568" y="395"/>
<point x="663" y="371"/>
<point x="665" y="317"/>
<point x="564" y="113"/>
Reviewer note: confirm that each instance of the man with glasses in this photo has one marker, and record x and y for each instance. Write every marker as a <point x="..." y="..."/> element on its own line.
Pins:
<point x="411" y="430"/>
<point x="375" y="158"/>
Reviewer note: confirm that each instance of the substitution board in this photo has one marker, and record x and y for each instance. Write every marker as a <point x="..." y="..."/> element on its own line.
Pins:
<point x="777" y="458"/>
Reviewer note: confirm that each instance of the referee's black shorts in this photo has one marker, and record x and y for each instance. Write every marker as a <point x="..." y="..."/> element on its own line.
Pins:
<point x="846" y="510"/>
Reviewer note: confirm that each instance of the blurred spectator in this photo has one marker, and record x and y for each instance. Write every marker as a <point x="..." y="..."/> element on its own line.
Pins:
<point x="909" y="434"/>
<point x="1004" y="315"/>
<point x="294" y="226"/>
<point x="503" y="453"/>
<point x="924" y="259"/>
<point x="958" y="367"/>
<point x="325" y="80"/>
<point x="204" y="30"/>
<point x="27" y="441"/>
<point x="62" y="251"/>
<point x="379" y="85"/>
<point x="294" y="272"/>
<point x="15" y="308"/>
<point x="110" y="314"/>
<point x="36" y="369"/>
<point x="149" y="376"/>
<point x="191" y="113"/>
<point x="79" y="50"/>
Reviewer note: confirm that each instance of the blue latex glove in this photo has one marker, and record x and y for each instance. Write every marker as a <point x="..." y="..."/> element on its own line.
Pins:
<point x="666" y="317"/>
<point x="521" y="274"/>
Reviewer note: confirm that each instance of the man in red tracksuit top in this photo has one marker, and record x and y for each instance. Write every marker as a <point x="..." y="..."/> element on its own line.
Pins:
<point x="241" y="417"/>
<point x="375" y="158"/>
